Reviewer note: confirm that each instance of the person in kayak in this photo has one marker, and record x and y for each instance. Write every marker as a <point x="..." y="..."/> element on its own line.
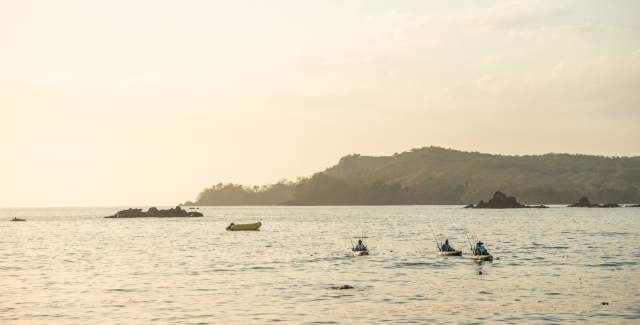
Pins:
<point x="360" y="246"/>
<point x="446" y="247"/>
<point x="480" y="249"/>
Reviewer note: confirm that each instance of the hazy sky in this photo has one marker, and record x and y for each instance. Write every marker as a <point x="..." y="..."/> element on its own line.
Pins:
<point x="147" y="102"/>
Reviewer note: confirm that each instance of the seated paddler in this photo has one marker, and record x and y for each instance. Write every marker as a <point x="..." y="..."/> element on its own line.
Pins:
<point x="479" y="249"/>
<point x="446" y="247"/>
<point x="360" y="246"/>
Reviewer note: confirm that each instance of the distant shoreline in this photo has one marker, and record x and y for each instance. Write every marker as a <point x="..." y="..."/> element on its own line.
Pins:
<point x="441" y="176"/>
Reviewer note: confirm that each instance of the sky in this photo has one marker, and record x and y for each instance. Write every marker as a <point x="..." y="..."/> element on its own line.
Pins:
<point x="115" y="103"/>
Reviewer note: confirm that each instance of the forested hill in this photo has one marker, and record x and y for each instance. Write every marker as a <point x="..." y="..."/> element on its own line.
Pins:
<point x="436" y="175"/>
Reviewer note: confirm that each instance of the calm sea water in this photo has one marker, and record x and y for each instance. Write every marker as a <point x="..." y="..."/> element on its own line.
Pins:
<point x="71" y="266"/>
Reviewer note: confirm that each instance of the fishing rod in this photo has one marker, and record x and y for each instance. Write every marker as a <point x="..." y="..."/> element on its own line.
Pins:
<point x="435" y="239"/>
<point x="470" y="242"/>
<point x="363" y="237"/>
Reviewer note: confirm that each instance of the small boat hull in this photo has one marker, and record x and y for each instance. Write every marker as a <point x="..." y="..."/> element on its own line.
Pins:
<point x="451" y="253"/>
<point x="482" y="257"/>
<point x="360" y="253"/>
<point x="17" y="220"/>
<point x="245" y="227"/>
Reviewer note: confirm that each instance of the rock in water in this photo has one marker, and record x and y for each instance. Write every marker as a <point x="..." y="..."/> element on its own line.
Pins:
<point x="585" y="203"/>
<point x="609" y="205"/>
<point x="343" y="287"/>
<point x="154" y="212"/>
<point x="582" y="203"/>
<point x="499" y="201"/>
<point x="502" y="201"/>
<point x="128" y="213"/>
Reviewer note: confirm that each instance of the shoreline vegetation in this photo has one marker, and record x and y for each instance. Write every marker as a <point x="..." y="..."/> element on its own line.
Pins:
<point x="440" y="176"/>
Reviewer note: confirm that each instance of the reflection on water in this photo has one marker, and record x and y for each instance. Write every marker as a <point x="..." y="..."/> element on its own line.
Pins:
<point x="552" y="265"/>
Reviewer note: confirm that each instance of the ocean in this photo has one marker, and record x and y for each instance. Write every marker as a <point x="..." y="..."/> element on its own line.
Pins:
<point x="556" y="265"/>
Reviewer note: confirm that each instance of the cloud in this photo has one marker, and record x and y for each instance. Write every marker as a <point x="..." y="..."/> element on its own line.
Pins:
<point x="605" y="84"/>
<point x="517" y="14"/>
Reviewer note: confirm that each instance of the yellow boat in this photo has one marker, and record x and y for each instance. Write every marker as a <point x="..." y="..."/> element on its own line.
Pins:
<point x="244" y="226"/>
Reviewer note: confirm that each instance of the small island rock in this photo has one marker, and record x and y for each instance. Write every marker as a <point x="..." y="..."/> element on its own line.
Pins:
<point x="584" y="202"/>
<point x="154" y="212"/>
<point x="609" y="205"/>
<point x="502" y="201"/>
<point x="342" y="287"/>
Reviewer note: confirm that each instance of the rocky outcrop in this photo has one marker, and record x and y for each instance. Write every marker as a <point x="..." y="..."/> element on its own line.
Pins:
<point x="502" y="201"/>
<point x="540" y="206"/>
<point x="584" y="202"/>
<point x="154" y="212"/>
<point x="608" y="205"/>
<point x="342" y="287"/>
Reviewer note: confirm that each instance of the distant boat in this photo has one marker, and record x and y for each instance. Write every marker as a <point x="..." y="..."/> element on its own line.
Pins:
<point x="478" y="252"/>
<point x="447" y="250"/>
<point x="17" y="219"/>
<point x="244" y="226"/>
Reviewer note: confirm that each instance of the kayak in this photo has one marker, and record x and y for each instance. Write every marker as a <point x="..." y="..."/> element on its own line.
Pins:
<point x="482" y="257"/>
<point x="245" y="226"/>
<point x="450" y="253"/>
<point x="18" y="219"/>
<point x="360" y="253"/>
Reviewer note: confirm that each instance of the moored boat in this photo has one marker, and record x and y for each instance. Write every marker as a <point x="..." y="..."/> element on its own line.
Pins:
<point x="244" y="226"/>
<point x="17" y="219"/>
